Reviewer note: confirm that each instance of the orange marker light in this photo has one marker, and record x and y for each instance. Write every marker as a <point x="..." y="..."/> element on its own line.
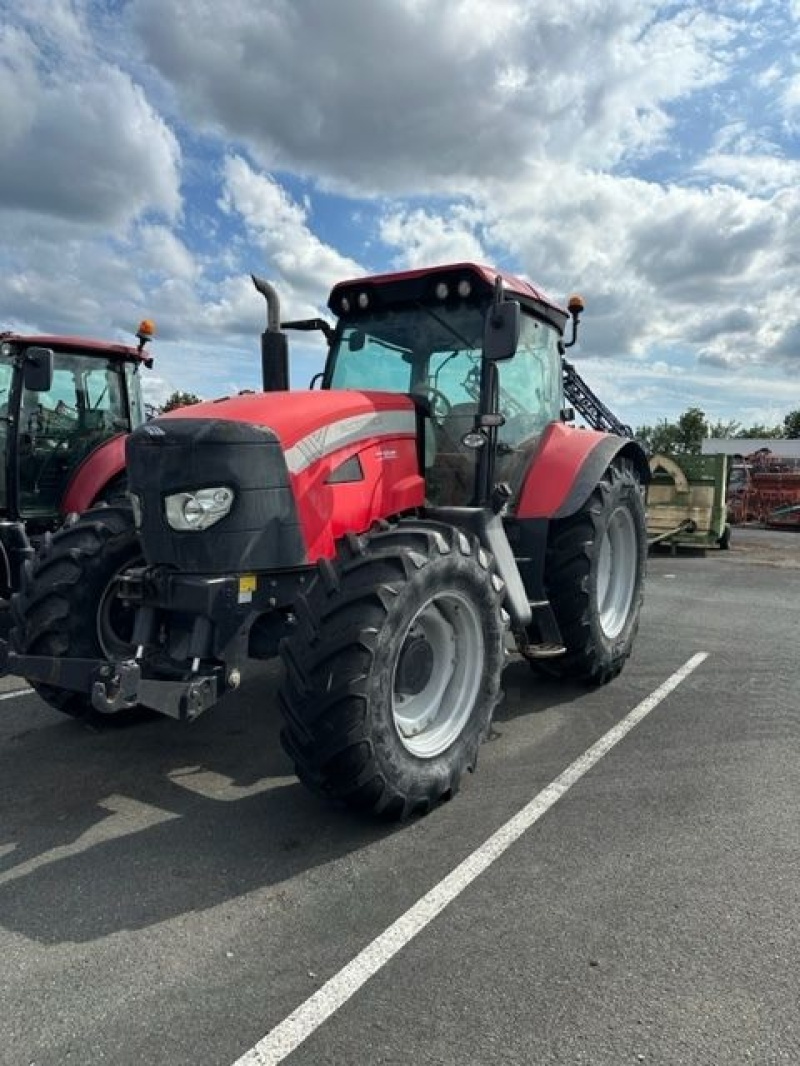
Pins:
<point x="575" y="305"/>
<point x="146" y="330"/>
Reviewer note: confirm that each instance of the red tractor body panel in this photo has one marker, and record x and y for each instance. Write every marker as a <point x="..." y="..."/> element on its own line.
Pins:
<point x="555" y="470"/>
<point x="97" y="470"/>
<point x="352" y="457"/>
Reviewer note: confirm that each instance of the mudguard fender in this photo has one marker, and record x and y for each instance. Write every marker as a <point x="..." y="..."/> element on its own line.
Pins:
<point x="94" y="473"/>
<point x="566" y="467"/>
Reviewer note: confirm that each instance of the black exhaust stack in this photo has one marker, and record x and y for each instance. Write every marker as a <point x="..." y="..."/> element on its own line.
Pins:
<point x="274" y="343"/>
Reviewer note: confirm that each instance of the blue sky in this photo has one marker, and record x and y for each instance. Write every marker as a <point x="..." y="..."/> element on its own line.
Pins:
<point x="647" y="155"/>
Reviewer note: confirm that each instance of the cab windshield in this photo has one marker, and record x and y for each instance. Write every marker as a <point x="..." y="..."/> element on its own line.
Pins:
<point x="436" y="352"/>
<point x="57" y="429"/>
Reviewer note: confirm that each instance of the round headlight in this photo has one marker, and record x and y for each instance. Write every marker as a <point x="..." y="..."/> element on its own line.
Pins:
<point x="363" y="300"/>
<point x="345" y="304"/>
<point x="198" y="508"/>
<point x="442" y="290"/>
<point x="464" y="288"/>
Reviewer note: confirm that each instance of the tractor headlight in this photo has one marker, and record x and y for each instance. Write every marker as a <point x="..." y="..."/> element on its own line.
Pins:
<point x="198" y="509"/>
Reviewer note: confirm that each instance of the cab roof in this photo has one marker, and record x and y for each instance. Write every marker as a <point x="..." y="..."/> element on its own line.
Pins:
<point x="484" y="275"/>
<point x="77" y="344"/>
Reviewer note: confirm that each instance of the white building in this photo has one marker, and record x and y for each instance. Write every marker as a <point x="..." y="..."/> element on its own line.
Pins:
<point x="786" y="449"/>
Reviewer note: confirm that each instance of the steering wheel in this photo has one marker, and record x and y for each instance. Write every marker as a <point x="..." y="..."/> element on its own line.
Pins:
<point x="440" y="405"/>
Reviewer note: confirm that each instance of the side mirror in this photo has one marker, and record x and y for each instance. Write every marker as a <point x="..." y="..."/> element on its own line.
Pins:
<point x="501" y="333"/>
<point x="356" y="340"/>
<point x="37" y="370"/>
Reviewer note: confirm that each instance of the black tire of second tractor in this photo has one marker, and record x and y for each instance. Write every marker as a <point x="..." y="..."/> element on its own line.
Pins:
<point x="55" y="613"/>
<point x="336" y="697"/>
<point x="571" y="573"/>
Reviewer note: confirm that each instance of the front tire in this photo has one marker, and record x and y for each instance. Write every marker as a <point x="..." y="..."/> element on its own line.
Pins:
<point x="67" y="605"/>
<point x="594" y="574"/>
<point x="392" y="680"/>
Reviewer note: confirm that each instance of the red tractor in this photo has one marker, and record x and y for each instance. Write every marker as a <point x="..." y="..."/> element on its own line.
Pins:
<point x="66" y="404"/>
<point x="388" y="535"/>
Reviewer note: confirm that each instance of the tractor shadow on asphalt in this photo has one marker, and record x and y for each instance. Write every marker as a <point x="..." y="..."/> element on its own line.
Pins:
<point x="126" y="828"/>
<point x="529" y="693"/>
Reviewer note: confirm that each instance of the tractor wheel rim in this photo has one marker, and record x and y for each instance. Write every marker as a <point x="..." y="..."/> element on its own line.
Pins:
<point x="616" y="572"/>
<point x="115" y="620"/>
<point x="430" y="718"/>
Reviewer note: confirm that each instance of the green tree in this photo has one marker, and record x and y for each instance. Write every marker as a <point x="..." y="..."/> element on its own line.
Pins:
<point x="724" y="429"/>
<point x="692" y="431"/>
<point x="684" y="437"/>
<point x="180" y="399"/>
<point x="791" y="425"/>
<point x="761" y="432"/>
<point x="660" y="439"/>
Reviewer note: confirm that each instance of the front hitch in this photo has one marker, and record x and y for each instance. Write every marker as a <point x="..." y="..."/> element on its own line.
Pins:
<point x="118" y="686"/>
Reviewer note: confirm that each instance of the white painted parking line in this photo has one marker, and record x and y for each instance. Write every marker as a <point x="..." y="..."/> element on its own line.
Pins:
<point x="16" y="692"/>
<point x="310" y="1015"/>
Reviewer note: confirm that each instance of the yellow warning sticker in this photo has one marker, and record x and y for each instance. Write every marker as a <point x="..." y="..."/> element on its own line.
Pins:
<point x="247" y="586"/>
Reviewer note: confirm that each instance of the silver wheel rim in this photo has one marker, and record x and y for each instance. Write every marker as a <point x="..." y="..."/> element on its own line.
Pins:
<point x="617" y="564"/>
<point x="447" y="631"/>
<point x="111" y="616"/>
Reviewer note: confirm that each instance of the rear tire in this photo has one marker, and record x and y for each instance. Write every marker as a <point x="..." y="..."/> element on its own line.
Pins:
<point x="67" y="607"/>
<point x="724" y="541"/>
<point x="594" y="574"/>
<point x="392" y="679"/>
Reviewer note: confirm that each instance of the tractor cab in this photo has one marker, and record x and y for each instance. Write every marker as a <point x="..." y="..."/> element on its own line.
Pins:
<point x="60" y="400"/>
<point x="429" y="335"/>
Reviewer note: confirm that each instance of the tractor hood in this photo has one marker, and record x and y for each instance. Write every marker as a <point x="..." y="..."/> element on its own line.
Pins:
<point x="279" y="456"/>
<point x="314" y="420"/>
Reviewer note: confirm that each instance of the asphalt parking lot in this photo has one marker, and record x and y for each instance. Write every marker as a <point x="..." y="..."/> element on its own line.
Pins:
<point x="169" y="894"/>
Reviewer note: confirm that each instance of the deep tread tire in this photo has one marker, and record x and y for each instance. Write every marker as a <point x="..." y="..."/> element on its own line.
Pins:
<point x="336" y="699"/>
<point x="571" y="579"/>
<point x="56" y="610"/>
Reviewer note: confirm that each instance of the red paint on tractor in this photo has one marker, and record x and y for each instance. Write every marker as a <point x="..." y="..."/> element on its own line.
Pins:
<point x="79" y="344"/>
<point x="391" y="484"/>
<point x="319" y="431"/>
<point x="555" y="467"/>
<point x="293" y="416"/>
<point x="94" y="474"/>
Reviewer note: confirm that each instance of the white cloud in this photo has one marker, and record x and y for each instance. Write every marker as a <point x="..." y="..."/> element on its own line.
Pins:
<point x="280" y="227"/>
<point x="423" y="238"/>
<point x="80" y="140"/>
<point x="425" y="96"/>
<point x="643" y="393"/>
<point x="756" y="174"/>
<point x="165" y="254"/>
<point x="657" y="263"/>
